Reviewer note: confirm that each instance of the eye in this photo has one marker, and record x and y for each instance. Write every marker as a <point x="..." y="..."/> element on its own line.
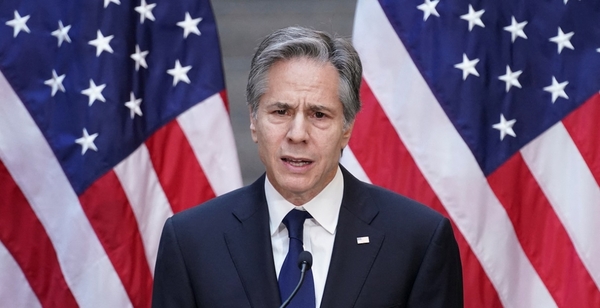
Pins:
<point x="319" y="115"/>
<point x="280" y="111"/>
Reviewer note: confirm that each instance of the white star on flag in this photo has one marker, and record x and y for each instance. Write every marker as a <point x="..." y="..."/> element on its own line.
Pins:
<point x="179" y="73"/>
<point x="468" y="67"/>
<point x="87" y="141"/>
<point x="473" y="17"/>
<point x="511" y="78"/>
<point x="19" y="24"/>
<point x="62" y="33"/>
<point x="189" y="25"/>
<point x="563" y="40"/>
<point x="145" y="11"/>
<point x="134" y="105"/>
<point x="94" y="93"/>
<point x="557" y="89"/>
<point x="107" y="2"/>
<point x="102" y="43"/>
<point x="140" y="58"/>
<point x="55" y="82"/>
<point x="505" y="127"/>
<point x="516" y="29"/>
<point x="428" y="8"/>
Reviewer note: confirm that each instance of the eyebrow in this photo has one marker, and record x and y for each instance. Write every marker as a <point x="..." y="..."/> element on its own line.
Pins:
<point x="279" y="105"/>
<point x="313" y="108"/>
<point x="319" y="108"/>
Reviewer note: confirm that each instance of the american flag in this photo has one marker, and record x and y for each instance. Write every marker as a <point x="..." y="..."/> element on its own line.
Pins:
<point x="113" y="117"/>
<point x="488" y="112"/>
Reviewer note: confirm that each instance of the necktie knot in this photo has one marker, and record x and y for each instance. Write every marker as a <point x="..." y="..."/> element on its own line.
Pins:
<point x="294" y="222"/>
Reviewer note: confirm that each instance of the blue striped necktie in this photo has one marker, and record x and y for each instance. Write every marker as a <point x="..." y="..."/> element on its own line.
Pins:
<point x="290" y="272"/>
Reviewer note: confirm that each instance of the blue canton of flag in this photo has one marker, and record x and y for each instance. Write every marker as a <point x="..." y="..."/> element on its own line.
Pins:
<point x="100" y="78"/>
<point x="512" y="68"/>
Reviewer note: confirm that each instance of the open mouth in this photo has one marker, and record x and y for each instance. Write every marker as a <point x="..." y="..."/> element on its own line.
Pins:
<point x="296" y="162"/>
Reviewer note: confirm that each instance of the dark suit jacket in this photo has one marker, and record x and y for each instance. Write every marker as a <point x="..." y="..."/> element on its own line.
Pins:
<point x="219" y="254"/>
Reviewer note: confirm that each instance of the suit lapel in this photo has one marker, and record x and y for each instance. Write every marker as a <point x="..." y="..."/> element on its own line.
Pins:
<point x="249" y="245"/>
<point x="351" y="261"/>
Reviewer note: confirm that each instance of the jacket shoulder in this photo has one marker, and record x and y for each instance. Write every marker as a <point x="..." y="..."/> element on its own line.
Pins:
<point x="393" y="203"/>
<point x="222" y="208"/>
<point x="363" y="197"/>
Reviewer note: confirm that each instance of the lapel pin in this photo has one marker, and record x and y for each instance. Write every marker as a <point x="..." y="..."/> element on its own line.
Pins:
<point x="362" y="240"/>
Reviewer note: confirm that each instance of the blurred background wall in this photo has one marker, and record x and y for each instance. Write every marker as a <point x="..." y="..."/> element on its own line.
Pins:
<point x="242" y="24"/>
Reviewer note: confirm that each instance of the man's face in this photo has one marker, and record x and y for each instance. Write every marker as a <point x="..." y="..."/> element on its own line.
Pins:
<point x="299" y="127"/>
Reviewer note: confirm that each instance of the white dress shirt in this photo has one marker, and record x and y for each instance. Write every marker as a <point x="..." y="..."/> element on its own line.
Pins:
<point x="319" y="232"/>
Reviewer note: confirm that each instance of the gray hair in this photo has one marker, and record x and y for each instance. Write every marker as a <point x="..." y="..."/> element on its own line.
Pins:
<point x="298" y="42"/>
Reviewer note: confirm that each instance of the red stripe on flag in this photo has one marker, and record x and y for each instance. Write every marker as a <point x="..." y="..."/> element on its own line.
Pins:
<point x="383" y="156"/>
<point x="106" y="206"/>
<point x="178" y="170"/>
<point x="39" y="262"/>
<point x="478" y="289"/>
<point x="542" y="236"/>
<point x="224" y="98"/>
<point x="582" y="125"/>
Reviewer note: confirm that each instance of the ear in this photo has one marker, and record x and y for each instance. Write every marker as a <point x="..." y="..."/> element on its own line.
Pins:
<point x="252" y="126"/>
<point x="346" y="135"/>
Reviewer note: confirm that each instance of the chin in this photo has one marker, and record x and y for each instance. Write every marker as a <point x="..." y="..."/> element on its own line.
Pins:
<point x="295" y="185"/>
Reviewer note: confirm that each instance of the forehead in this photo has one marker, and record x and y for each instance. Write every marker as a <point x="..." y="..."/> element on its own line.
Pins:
<point x="302" y="78"/>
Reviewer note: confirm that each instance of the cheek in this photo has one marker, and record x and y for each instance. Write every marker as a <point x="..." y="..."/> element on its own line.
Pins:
<point x="269" y="141"/>
<point x="330" y="147"/>
<point x="338" y="140"/>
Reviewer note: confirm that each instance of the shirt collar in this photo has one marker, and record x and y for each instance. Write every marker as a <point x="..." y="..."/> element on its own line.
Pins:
<point x="324" y="207"/>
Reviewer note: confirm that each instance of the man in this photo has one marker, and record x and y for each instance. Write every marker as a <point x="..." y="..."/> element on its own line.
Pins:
<point x="371" y="247"/>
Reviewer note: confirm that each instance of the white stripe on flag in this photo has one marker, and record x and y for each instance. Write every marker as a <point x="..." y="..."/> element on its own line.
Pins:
<point x="571" y="189"/>
<point x="208" y="130"/>
<point x="146" y="197"/>
<point x="444" y="159"/>
<point x="29" y="159"/>
<point x="351" y="163"/>
<point x="15" y="290"/>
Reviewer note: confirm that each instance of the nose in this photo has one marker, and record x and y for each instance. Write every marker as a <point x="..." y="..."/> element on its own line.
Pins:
<point x="298" y="129"/>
